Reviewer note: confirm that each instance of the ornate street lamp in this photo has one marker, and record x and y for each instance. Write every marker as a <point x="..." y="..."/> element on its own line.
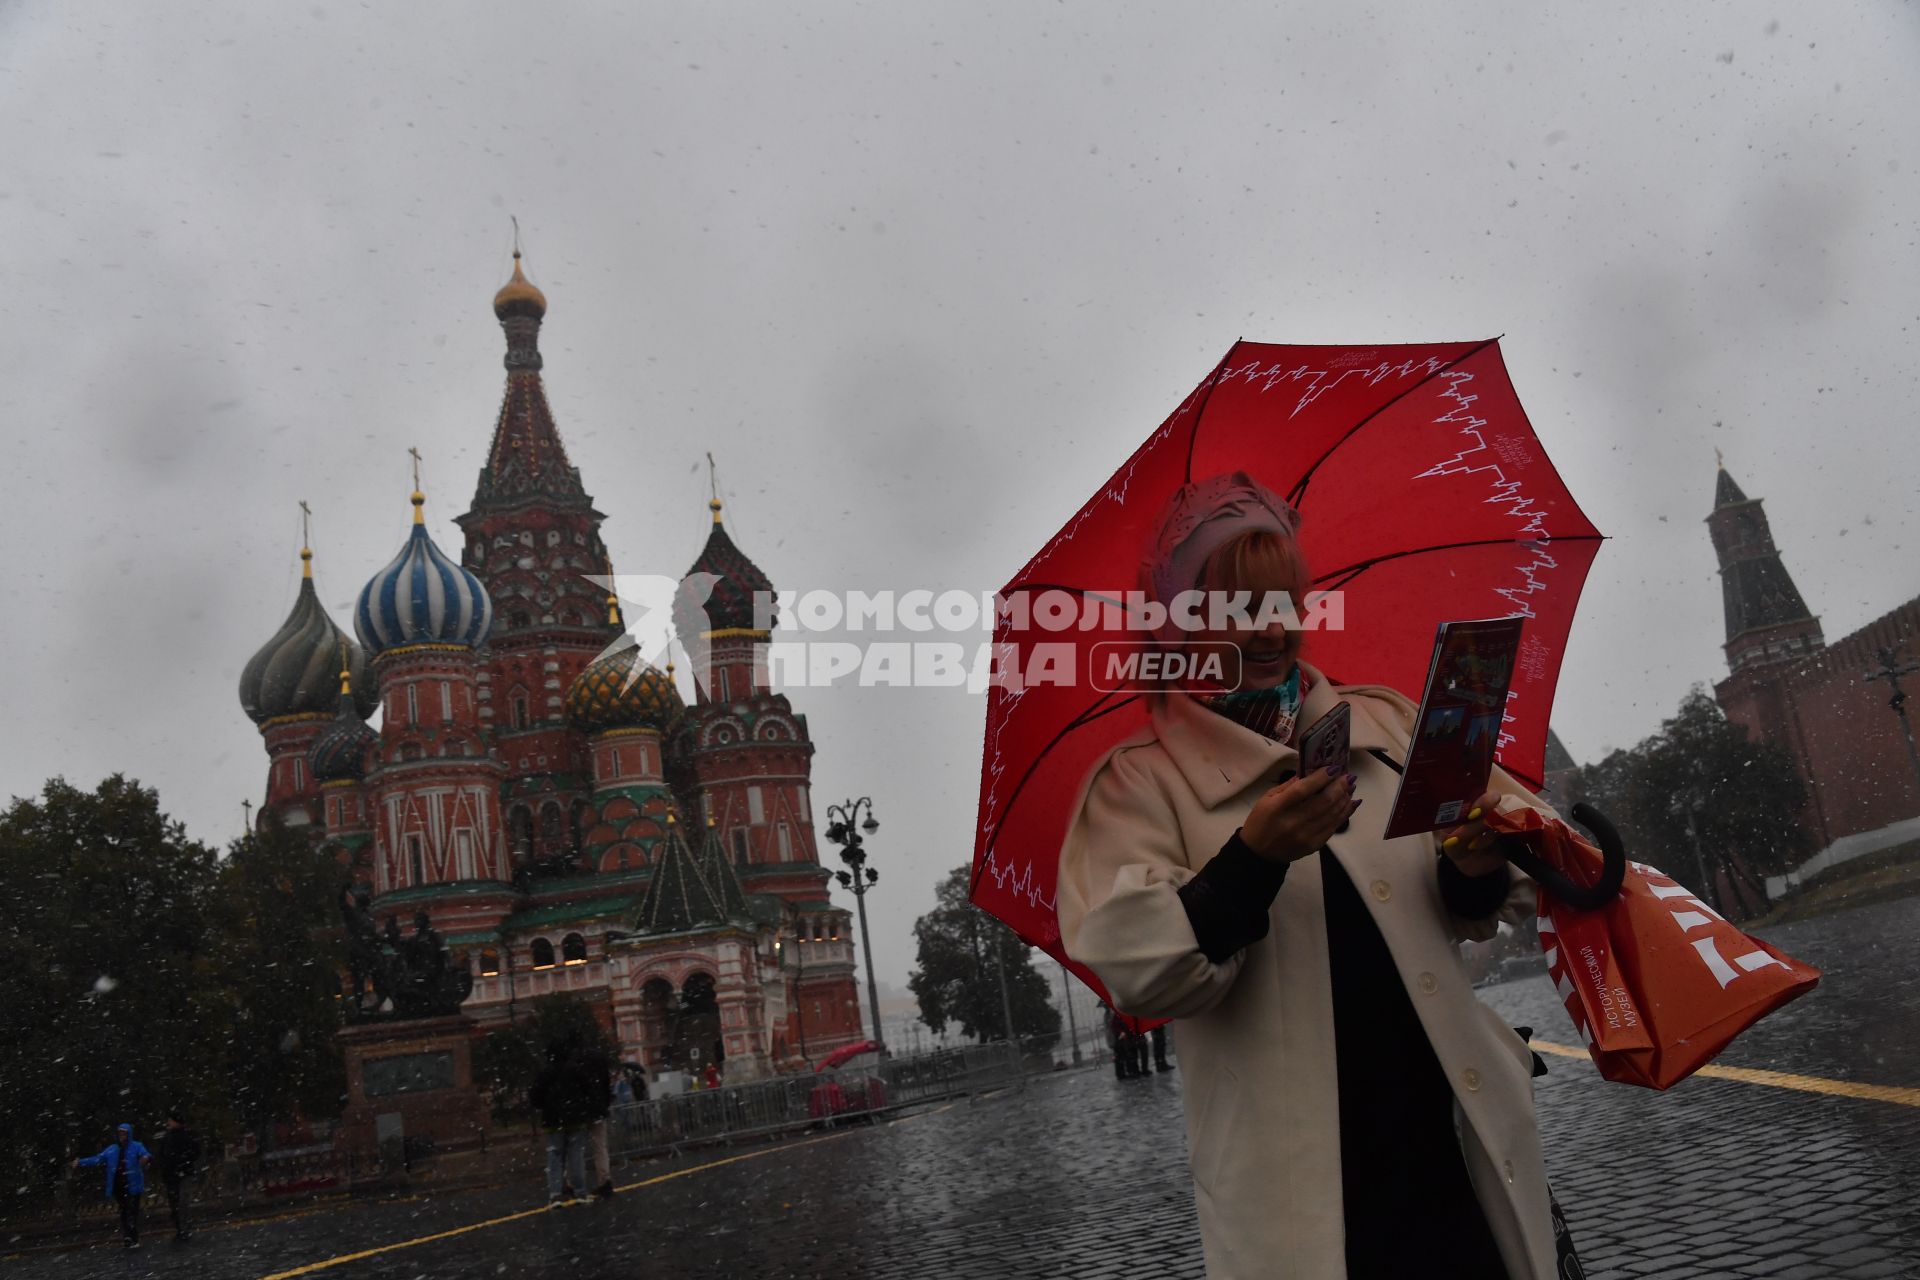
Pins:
<point x="844" y="828"/>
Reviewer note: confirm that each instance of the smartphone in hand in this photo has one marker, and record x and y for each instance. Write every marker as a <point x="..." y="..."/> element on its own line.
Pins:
<point x="1328" y="741"/>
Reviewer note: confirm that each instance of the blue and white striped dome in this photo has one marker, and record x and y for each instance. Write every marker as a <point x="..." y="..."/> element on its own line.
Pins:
<point x="422" y="598"/>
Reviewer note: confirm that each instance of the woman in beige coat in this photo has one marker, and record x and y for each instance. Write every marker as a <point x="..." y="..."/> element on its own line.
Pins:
<point x="1352" y="1109"/>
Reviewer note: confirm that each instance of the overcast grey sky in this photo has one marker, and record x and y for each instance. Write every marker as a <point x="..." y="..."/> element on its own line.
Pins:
<point x="920" y="276"/>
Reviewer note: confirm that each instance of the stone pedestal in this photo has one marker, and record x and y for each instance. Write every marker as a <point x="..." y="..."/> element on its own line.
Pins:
<point x="411" y="1079"/>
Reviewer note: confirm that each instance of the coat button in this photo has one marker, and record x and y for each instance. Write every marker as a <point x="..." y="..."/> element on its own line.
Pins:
<point x="1381" y="890"/>
<point x="1428" y="983"/>
<point x="1471" y="1078"/>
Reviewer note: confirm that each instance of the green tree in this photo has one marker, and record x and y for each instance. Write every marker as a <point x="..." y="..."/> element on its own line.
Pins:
<point x="509" y="1058"/>
<point x="104" y="971"/>
<point x="276" y="957"/>
<point x="1701" y="793"/>
<point x="957" y="978"/>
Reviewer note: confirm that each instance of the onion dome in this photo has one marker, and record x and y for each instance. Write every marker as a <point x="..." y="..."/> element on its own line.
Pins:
<point x="518" y="296"/>
<point x="422" y="597"/>
<point x="621" y="690"/>
<point x="294" y="673"/>
<point x="340" y="752"/>
<point x="737" y="581"/>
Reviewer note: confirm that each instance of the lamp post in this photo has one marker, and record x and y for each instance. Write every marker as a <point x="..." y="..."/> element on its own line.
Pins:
<point x="1890" y="670"/>
<point x="844" y="828"/>
<point x="1073" y="1027"/>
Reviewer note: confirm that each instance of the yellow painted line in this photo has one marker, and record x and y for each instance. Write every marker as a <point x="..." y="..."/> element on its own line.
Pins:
<point x="449" y="1234"/>
<point x="1896" y="1094"/>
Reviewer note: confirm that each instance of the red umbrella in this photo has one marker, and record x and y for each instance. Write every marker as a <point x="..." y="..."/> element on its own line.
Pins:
<point x="1424" y="495"/>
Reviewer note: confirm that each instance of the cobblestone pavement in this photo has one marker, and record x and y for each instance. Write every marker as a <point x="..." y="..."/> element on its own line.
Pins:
<point x="1080" y="1174"/>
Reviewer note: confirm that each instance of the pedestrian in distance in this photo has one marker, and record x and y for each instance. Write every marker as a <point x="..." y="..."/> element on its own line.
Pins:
<point x="712" y="1078"/>
<point x="125" y="1161"/>
<point x="596" y="1071"/>
<point x="179" y="1164"/>
<point x="1160" y="1062"/>
<point x="563" y="1098"/>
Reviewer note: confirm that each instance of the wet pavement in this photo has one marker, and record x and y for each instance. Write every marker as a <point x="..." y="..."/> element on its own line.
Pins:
<point x="1080" y="1174"/>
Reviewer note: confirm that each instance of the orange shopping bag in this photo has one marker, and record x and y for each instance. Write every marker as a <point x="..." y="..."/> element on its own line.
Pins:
<point x="1656" y="980"/>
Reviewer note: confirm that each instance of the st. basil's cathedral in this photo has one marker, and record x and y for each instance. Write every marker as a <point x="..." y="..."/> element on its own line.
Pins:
<point x="543" y="794"/>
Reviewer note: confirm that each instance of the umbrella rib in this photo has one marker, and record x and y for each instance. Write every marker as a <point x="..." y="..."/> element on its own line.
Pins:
<point x="1300" y="489"/>
<point x="1200" y="410"/>
<point x="1085" y="718"/>
<point x="1341" y="577"/>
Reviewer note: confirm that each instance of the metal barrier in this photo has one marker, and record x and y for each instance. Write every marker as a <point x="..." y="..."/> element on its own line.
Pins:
<point x="767" y="1107"/>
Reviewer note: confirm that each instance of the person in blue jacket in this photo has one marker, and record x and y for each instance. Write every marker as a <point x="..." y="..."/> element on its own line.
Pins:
<point x="125" y="1161"/>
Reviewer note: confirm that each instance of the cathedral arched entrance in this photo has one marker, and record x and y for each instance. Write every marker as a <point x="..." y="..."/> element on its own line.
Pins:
<point x="696" y="1030"/>
<point x="657" y="1005"/>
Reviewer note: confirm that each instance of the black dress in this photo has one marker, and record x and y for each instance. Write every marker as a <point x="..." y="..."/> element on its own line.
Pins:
<point x="1410" y="1210"/>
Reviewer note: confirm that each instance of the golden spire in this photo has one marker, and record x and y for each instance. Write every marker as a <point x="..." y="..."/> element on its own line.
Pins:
<point x="419" y="498"/>
<point x="1719" y="461"/>
<point x="518" y="295"/>
<point x="346" y="673"/>
<point x="713" y="488"/>
<point x="613" y="610"/>
<point x="306" y="540"/>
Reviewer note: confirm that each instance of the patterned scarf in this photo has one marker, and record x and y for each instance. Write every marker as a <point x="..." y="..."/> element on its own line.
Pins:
<point x="1272" y="713"/>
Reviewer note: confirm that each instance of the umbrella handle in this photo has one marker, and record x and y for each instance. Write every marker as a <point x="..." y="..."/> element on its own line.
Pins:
<point x="1613" y="868"/>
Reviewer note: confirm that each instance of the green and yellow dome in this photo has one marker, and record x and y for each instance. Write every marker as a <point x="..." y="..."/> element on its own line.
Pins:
<point x="622" y="690"/>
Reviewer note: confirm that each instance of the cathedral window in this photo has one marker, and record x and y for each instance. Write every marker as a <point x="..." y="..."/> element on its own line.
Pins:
<point x="573" y="949"/>
<point x="784" y="835"/>
<point x="553" y="537"/>
<point x="522" y="712"/>
<point x="805" y="805"/>
<point x="552" y="827"/>
<point x="756" y="806"/>
<point x="417" y="859"/>
<point x="542" y="954"/>
<point x="489" y="963"/>
<point x="740" y="846"/>
<point x="413" y="704"/>
<point x="446" y="700"/>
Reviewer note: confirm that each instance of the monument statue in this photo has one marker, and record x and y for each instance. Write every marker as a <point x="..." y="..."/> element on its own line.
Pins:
<point x="408" y="977"/>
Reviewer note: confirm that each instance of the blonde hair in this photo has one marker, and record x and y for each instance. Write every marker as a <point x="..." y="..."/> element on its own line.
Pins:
<point x="1257" y="561"/>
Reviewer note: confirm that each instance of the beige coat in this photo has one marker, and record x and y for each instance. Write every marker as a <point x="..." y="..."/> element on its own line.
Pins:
<point x="1255" y="1034"/>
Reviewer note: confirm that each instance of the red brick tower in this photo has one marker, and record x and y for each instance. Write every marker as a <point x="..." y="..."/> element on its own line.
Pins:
<point x="340" y="758"/>
<point x="289" y="690"/>
<point x="533" y="537"/>
<point x="751" y="760"/>
<point x="438" y="840"/>
<point x="1767" y="620"/>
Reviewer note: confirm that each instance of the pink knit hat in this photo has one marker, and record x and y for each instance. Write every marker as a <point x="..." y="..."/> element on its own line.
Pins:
<point x="1202" y="517"/>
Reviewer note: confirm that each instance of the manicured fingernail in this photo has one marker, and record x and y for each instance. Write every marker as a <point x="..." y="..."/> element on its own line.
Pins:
<point x="1356" y="806"/>
<point x="1473" y="815"/>
<point x="1333" y="771"/>
<point x="1352" y="778"/>
<point x="1449" y="842"/>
